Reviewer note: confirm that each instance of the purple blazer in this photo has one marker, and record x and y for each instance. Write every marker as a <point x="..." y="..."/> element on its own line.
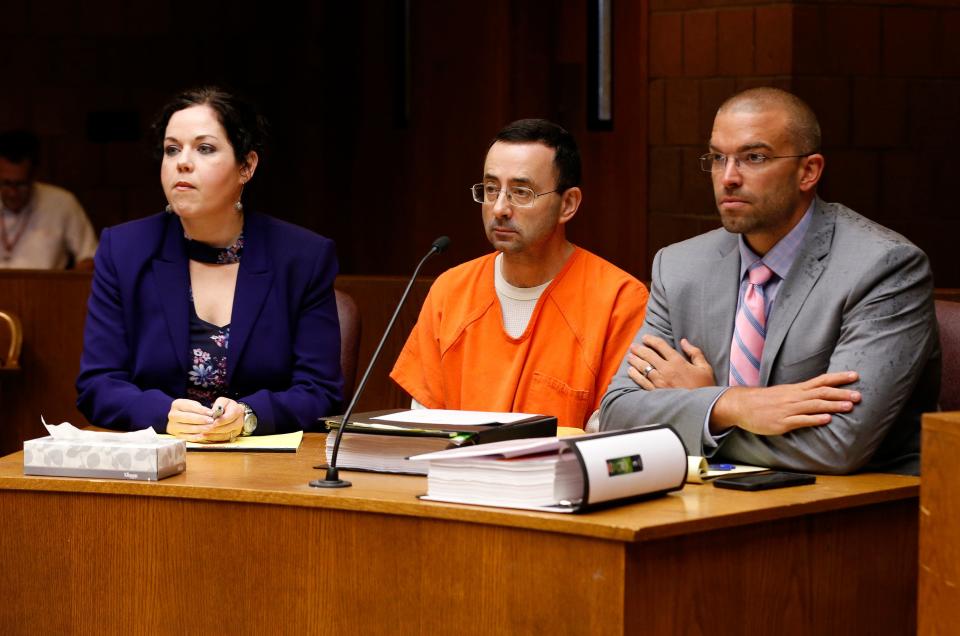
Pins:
<point x="284" y="355"/>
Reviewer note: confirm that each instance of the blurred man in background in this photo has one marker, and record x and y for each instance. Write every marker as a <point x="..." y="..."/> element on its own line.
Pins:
<point x="41" y="226"/>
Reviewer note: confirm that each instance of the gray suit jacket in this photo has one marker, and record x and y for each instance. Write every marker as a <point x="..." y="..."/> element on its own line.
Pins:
<point x="858" y="297"/>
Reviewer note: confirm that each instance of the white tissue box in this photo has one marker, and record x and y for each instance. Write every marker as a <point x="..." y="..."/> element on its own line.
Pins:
<point x="145" y="460"/>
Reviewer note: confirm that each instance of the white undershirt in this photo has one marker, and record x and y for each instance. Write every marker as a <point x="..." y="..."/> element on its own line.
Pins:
<point x="516" y="303"/>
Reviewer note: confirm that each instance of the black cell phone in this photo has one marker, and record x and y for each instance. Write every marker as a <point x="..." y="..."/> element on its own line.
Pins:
<point x="764" y="481"/>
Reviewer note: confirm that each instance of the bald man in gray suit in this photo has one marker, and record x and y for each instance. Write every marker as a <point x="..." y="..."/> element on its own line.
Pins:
<point x="824" y="363"/>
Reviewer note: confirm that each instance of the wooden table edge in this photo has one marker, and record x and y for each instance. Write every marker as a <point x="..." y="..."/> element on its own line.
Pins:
<point x="590" y="524"/>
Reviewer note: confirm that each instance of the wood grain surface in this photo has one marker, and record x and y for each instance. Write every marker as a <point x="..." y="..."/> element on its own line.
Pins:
<point x="52" y="307"/>
<point x="239" y="543"/>
<point x="939" y="525"/>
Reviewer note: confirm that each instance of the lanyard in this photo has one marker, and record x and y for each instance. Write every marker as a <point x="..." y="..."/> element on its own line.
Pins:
<point x="10" y="243"/>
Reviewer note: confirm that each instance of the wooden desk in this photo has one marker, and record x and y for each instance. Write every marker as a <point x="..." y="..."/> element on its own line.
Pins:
<point x="241" y="544"/>
<point x="939" y="525"/>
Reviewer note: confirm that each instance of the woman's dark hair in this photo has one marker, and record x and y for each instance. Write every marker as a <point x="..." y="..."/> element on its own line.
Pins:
<point x="566" y="157"/>
<point x="245" y="127"/>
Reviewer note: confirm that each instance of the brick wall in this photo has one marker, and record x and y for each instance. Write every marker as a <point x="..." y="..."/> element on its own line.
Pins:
<point x="883" y="77"/>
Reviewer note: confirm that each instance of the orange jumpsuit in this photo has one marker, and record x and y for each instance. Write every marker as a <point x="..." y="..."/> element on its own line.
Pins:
<point x="459" y="356"/>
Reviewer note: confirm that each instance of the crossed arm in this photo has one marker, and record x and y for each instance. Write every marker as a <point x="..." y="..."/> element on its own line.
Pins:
<point x="774" y="410"/>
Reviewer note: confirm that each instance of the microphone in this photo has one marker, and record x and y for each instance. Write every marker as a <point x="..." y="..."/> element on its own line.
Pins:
<point x="439" y="244"/>
<point x="332" y="479"/>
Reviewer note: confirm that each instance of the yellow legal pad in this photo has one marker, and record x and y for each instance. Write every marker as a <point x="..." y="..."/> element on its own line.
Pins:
<point x="282" y="443"/>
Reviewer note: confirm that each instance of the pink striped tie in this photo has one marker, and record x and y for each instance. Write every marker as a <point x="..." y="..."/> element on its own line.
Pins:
<point x="750" y="330"/>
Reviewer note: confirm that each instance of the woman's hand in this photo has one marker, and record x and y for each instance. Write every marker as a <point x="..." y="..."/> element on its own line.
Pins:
<point x="228" y="426"/>
<point x="192" y="422"/>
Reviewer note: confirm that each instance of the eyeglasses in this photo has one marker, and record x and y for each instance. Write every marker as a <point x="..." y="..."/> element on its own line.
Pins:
<point x="519" y="196"/>
<point x="750" y="161"/>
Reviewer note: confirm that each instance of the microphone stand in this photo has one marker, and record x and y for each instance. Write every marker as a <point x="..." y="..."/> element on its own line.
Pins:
<point x="332" y="479"/>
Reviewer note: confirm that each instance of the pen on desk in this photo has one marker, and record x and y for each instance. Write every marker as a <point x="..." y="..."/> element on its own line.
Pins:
<point x="721" y="466"/>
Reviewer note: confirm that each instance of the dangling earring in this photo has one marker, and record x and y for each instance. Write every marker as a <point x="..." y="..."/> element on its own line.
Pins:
<point x="239" y="204"/>
<point x="168" y="209"/>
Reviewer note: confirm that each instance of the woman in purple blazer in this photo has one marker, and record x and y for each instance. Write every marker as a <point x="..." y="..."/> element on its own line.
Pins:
<point x="207" y="321"/>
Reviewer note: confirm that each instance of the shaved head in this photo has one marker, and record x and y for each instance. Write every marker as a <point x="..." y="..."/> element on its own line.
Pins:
<point x="802" y="125"/>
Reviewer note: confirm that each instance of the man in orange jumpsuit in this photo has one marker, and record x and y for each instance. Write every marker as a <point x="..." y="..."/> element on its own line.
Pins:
<point x="538" y="326"/>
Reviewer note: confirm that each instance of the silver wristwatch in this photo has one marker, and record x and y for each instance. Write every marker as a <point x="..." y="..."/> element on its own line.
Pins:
<point x="249" y="420"/>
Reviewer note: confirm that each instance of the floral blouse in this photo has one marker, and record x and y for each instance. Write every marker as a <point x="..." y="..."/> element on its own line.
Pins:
<point x="208" y="352"/>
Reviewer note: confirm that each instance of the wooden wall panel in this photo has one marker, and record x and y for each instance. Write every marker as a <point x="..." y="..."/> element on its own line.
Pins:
<point x="939" y="594"/>
<point x="883" y="78"/>
<point x="52" y="308"/>
<point x="471" y="72"/>
<point x="878" y="75"/>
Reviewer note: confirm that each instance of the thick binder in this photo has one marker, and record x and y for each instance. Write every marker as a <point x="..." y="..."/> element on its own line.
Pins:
<point x="369" y="444"/>
<point x="567" y="474"/>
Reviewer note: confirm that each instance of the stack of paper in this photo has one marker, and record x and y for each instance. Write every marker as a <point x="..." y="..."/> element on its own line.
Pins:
<point x="559" y="474"/>
<point x="384" y="453"/>
<point x="381" y="441"/>
<point x="535" y="480"/>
